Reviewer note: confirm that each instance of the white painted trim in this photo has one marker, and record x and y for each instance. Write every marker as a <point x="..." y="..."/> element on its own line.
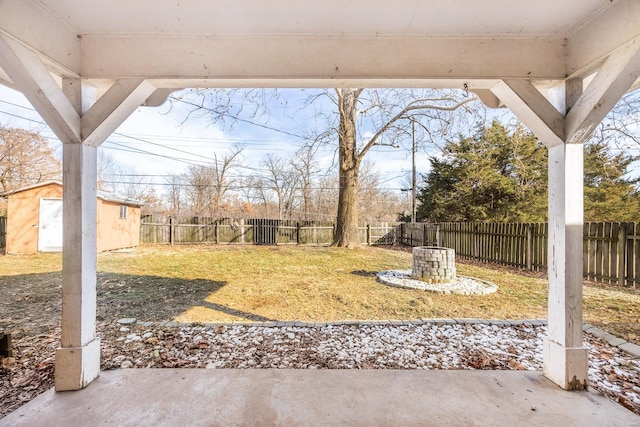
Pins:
<point x="564" y="358"/>
<point x="41" y="226"/>
<point x="77" y="362"/>
<point x="29" y="23"/>
<point x="76" y="367"/>
<point x="335" y="58"/>
<point x="613" y="80"/>
<point x="589" y="45"/>
<point x="113" y="108"/>
<point x="30" y="75"/>
<point x="535" y="111"/>
<point x="567" y="367"/>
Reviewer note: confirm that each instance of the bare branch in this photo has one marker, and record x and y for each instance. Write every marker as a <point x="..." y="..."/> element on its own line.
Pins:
<point x="413" y="106"/>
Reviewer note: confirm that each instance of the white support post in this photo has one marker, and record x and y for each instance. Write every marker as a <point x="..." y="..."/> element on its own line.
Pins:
<point x="78" y="360"/>
<point x="82" y="122"/>
<point x="564" y="357"/>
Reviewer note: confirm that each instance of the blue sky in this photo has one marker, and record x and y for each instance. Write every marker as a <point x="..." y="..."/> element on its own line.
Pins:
<point x="157" y="141"/>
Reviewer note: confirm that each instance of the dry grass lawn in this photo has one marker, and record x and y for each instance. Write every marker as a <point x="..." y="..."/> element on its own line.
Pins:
<point x="233" y="283"/>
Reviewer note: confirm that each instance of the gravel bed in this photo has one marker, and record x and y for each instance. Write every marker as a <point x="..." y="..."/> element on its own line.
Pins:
<point x="462" y="285"/>
<point x="427" y="346"/>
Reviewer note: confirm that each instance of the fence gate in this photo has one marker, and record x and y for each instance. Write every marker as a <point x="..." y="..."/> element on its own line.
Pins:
<point x="265" y="231"/>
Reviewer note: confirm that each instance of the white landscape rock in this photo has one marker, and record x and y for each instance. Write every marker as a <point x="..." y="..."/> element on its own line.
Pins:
<point x="462" y="285"/>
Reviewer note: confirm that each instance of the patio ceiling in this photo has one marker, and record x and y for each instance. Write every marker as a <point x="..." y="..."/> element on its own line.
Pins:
<point x="440" y="43"/>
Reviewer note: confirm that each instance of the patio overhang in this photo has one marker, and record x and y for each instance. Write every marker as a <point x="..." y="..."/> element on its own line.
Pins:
<point x="560" y="65"/>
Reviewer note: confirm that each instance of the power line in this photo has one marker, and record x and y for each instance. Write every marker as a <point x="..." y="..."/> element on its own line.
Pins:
<point x="236" y="187"/>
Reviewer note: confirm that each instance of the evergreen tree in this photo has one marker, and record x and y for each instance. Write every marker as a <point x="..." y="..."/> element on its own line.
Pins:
<point x="501" y="176"/>
<point x="495" y="175"/>
<point x="608" y="194"/>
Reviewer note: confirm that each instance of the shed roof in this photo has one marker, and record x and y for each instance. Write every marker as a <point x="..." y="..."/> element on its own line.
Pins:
<point x="104" y="195"/>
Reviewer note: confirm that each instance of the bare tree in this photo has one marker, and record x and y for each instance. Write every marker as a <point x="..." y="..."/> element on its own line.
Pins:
<point x="107" y="168"/>
<point x="175" y="194"/>
<point x="325" y="197"/>
<point x="375" y="203"/>
<point x="221" y="175"/>
<point x="283" y="179"/>
<point x="307" y="169"/>
<point x="360" y="119"/>
<point x="381" y="115"/>
<point x="199" y="189"/>
<point x="25" y="159"/>
<point x="620" y="128"/>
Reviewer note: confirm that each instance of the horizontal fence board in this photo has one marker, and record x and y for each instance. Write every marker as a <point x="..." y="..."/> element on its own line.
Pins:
<point x="193" y="230"/>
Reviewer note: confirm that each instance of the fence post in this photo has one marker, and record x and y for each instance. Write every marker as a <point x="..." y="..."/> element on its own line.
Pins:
<point x="275" y="232"/>
<point x="369" y="234"/>
<point x="529" y="247"/>
<point x="475" y="242"/>
<point x="424" y="235"/>
<point x="216" y="233"/>
<point x="438" y="235"/>
<point x="171" y="231"/>
<point x="622" y="249"/>
<point x="298" y="232"/>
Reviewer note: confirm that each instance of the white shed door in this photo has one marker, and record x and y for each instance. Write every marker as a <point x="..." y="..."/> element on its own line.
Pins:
<point x="50" y="226"/>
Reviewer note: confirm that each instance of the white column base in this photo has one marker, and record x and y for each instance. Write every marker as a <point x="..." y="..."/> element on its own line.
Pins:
<point x="76" y="367"/>
<point x="567" y="367"/>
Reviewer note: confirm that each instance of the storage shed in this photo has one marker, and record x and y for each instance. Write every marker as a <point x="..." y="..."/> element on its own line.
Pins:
<point x="34" y="220"/>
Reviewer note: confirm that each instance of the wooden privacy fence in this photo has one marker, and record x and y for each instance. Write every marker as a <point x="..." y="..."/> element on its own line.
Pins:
<point x="611" y="249"/>
<point x="256" y="231"/>
<point x="3" y="232"/>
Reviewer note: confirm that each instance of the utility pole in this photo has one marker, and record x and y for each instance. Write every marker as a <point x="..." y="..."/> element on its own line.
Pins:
<point x="413" y="174"/>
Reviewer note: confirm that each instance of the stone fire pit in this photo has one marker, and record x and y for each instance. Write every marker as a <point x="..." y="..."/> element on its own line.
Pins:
<point x="433" y="264"/>
<point x="434" y="270"/>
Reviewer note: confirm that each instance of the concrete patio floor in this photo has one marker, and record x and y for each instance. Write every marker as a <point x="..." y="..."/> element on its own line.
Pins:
<point x="265" y="397"/>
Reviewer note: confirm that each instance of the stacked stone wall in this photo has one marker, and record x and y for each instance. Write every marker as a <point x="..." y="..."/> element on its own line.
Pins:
<point x="433" y="264"/>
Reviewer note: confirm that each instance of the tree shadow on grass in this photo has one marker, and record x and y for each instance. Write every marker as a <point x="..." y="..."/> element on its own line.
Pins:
<point x="149" y="298"/>
<point x="155" y="299"/>
<point x="31" y="303"/>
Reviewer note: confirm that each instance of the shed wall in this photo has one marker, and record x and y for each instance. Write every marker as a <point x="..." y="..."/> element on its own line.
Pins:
<point x="115" y="232"/>
<point x="23" y="216"/>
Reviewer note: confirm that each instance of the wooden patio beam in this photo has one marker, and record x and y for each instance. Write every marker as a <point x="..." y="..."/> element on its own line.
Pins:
<point x="32" y="78"/>
<point x="113" y="108"/>
<point x="535" y="111"/>
<point x="618" y="73"/>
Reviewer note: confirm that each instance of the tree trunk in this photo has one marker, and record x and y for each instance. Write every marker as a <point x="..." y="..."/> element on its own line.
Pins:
<point x="347" y="219"/>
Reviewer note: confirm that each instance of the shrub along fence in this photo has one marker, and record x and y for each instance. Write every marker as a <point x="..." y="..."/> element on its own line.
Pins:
<point x="254" y="231"/>
<point x="611" y="249"/>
